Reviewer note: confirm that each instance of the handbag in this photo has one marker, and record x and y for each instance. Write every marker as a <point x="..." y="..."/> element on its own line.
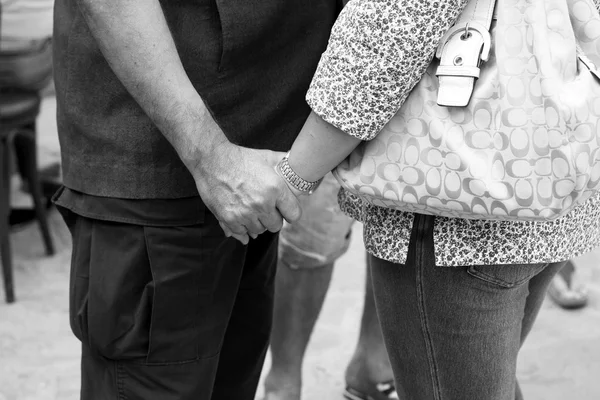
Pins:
<point x="504" y="125"/>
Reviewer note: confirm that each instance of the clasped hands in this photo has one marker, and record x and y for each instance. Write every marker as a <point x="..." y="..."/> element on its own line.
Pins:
<point x="242" y="188"/>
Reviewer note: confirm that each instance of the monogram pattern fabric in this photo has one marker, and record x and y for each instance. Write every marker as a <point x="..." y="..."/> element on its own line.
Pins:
<point x="352" y="91"/>
<point x="527" y="147"/>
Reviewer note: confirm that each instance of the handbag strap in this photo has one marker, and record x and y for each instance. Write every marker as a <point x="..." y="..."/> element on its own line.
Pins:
<point x="460" y="52"/>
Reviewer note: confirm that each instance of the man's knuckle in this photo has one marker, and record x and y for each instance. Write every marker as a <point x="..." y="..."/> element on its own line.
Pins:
<point x="228" y="218"/>
<point x="256" y="204"/>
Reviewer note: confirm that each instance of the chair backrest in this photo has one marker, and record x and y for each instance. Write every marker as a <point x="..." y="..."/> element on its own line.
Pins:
<point x="29" y="70"/>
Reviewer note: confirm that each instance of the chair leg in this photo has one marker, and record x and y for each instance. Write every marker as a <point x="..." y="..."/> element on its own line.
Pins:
<point x="26" y="150"/>
<point x="5" y="251"/>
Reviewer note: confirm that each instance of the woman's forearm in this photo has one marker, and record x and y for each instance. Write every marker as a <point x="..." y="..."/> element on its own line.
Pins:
<point x="319" y="148"/>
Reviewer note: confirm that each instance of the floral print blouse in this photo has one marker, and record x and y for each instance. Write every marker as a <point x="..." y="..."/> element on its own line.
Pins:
<point x="378" y="51"/>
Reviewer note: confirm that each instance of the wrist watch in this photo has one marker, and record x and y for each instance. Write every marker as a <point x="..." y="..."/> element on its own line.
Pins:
<point x="294" y="179"/>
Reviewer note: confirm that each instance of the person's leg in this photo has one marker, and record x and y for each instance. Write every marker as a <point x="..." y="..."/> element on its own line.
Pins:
<point x="151" y="306"/>
<point x="370" y="364"/>
<point x="247" y="338"/>
<point x="455" y="332"/>
<point x="299" y="299"/>
<point x="538" y="286"/>
<point x="299" y="296"/>
<point x="307" y="251"/>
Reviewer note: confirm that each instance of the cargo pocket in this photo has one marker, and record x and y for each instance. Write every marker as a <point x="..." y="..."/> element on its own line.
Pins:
<point x="112" y="289"/>
<point x="506" y="276"/>
<point x="79" y="276"/>
<point x="137" y="292"/>
<point x="186" y="323"/>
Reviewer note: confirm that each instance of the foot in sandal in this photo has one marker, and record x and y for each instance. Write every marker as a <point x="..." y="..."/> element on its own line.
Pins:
<point x="566" y="291"/>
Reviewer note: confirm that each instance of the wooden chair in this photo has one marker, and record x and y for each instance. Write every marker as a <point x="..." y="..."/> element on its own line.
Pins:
<point x="18" y="113"/>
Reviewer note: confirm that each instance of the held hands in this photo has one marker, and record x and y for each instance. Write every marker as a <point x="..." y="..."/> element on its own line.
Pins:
<point x="241" y="187"/>
<point x="292" y="188"/>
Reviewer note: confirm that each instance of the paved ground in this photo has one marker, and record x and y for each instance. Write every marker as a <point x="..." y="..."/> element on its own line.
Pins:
<point x="39" y="356"/>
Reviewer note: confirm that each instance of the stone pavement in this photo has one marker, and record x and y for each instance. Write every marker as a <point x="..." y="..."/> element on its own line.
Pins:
<point x="39" y="356"/>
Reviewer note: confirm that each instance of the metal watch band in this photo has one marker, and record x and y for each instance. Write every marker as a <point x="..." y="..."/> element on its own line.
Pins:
<point x="294" y="179"/>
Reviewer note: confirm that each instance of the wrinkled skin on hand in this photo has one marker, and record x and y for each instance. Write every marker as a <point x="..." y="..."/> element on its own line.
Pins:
<point x="242" y="189"/>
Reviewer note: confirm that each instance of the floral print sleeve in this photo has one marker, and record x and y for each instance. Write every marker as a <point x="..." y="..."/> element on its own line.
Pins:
<point x="378" y="51"/>
<point x="375" y="57"/>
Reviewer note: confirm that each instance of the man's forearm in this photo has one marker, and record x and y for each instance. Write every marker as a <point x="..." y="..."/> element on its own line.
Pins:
<point x="135" y="40"/>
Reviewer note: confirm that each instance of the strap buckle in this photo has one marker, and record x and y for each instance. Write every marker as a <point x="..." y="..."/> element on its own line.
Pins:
<point x="465" y="30"/>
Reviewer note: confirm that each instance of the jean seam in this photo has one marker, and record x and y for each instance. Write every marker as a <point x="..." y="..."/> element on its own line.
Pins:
<point x="488" y="278"/>
<point x="433" y="370"/>
<point x="473" y="271"/>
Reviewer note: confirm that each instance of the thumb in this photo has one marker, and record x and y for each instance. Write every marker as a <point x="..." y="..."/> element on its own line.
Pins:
<point x="288" y="204"/>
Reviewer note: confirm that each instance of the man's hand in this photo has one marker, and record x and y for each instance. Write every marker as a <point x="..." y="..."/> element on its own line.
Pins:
<point x="241" y="188"/>
<point x="237" y="184"/>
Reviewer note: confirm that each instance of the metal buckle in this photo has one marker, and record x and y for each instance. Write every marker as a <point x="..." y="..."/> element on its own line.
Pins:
<point x="466" y="29"/>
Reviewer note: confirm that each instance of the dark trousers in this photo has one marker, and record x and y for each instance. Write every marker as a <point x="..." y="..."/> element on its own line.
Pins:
<point x="454" y="333"/>
<point x="169" y="313"/>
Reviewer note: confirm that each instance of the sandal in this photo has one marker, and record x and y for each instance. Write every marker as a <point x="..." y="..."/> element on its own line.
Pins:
<point x="379" y="391"/>
<point x="564" y="290"/>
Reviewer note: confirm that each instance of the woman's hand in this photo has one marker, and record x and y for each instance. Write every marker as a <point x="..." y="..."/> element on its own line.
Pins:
<point x="318" y="149"/>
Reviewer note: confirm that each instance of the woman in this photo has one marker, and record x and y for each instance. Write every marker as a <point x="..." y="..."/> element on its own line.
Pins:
<point x="456" y="297"/>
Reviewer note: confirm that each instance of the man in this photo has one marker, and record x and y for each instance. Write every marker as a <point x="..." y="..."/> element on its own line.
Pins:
<point x="162" y="109"/>
<point x="307" y="252"/>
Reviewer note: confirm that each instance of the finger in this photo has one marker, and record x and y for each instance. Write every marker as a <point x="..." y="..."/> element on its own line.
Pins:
<point x="288" y="205"/>
<point x="244" y="239"/>
<point x="240" y="234"/>
<point x="226" y="229"/>
<point x="272" y="221"/>
<point x="254" y="235"/>
<point x="230" y="231"/>
<point x="254" y="227"/>
<point x="263" y="229"/>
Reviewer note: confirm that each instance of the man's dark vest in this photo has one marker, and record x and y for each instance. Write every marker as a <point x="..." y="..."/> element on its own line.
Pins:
<point x="250" y="60"/>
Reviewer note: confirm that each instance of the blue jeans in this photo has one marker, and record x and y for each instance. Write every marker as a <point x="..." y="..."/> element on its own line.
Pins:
<point x="454" y="333"/>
